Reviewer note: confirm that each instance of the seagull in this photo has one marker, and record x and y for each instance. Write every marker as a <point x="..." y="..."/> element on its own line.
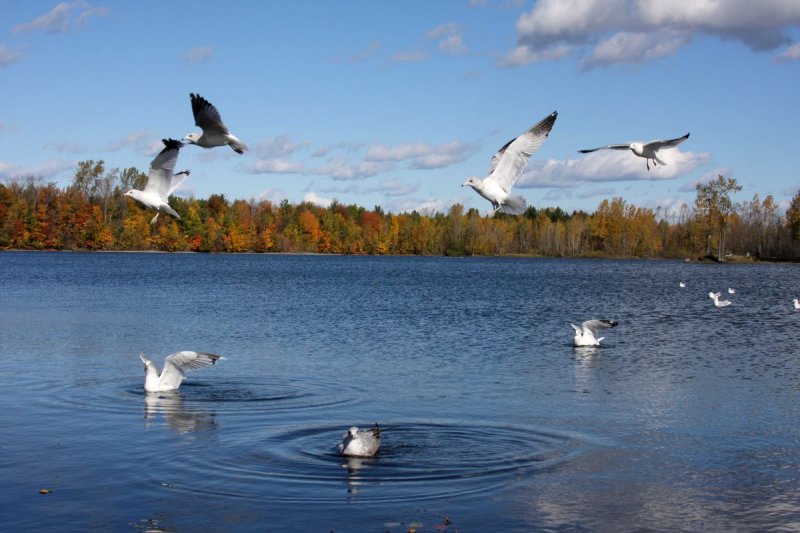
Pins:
<point x="161" y="182"/>
<point x="717" y="302"/>
<point x="507" y="165"/>
<point x="649" y="151"/>
<point x="214" y="133"/>
<point x="170" y="378"/>
<point x="731" y="291"/>
<point x="586" y="334"/>
<point x="361" y="442"/>
<point x="681" y="284"/>
<point x="796" y="303"/>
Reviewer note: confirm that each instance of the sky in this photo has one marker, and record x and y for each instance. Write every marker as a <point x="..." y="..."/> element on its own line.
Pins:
<point x="396" y="104"/>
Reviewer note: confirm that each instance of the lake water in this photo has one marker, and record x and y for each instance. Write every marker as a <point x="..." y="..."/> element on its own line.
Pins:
<point x="687" y="418"/>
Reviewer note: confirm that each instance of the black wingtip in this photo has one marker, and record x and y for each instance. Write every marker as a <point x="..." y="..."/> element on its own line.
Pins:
<point x="171" y="144"/>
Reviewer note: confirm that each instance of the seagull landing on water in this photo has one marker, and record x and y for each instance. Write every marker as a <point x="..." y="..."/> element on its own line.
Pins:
<point x="361" y="442"/>
<point x="649" y="151"/>
<point x="161" y="182"/>
<point x="586" y="334"/>
<point x="506" y="166"/>
<point x="170" y="378"/>
<point x="717" y="302"/>
<point x="214" y="133"/>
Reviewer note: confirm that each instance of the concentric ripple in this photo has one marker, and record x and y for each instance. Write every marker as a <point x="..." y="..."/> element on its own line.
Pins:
<point x="417" y="460"/>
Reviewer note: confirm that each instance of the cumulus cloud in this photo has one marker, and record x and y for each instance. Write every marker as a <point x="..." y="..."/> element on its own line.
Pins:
<point x="608" y="32"/>
<point x="8" y="56"/>
<point x="65" y="17"/>
<point x="198" y="55"/>
<point x="275" y="166"/>
<point x="421" y="155"/>
<point x="314" y="198"/>
<point x="339" y="168"/>
<point x="526" y="55"/>
<point x="608" y="166"/>
<point x="792" y="53"/>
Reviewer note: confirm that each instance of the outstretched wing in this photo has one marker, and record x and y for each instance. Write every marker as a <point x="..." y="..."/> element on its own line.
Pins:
<point x="508" y="162"/>
<point x="658" y="145"/>
<point x="607" y="147"/>
<point x="576" y="328"/>
<point x="162" y="167"/>
<point x="176" y="364"/>
<point x="594" y="325"/>
<point x="206" y="115"/>
<point x="176" y="181"/>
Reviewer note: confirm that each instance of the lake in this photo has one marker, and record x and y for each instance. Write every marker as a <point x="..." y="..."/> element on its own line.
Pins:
<point x="686" y="418"/>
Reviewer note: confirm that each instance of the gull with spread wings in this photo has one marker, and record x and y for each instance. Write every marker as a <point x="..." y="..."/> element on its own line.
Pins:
<point x="507" y="165"/>
<point x="649" y="151"/>
<point x="156" y="380"/>
<point x="161" y="182"/>
<point x="215" y="133"/>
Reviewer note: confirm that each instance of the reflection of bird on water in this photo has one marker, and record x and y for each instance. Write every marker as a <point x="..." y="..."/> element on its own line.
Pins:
<point x="361" y="442"/>
<point x="586" y="334"/>
<point x="178" y="416"/>
<point x="170" y="378"/>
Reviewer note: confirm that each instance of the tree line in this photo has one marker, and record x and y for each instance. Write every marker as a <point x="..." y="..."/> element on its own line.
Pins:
<point x="92" y="213"/>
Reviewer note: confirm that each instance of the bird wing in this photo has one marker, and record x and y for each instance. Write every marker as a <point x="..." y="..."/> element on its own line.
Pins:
<point x="176" y="181"/>
<point x="607" y="147"/>
<point x="508" y="162"/>
<point x="206" y="115"/>
<point x="577" y="329"/>
<point x="162" y="167"/>
<point x="176" y="364"/>
<point x="594" y="325"/>
<point x="658" y="145"/>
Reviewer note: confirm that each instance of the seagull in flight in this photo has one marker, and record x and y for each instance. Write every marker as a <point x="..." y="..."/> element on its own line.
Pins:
<point x="161" y="182"/>
<point x="717" y="302"/>
<point x="156" y="380"/>
<point x="506" y="166"/>
<point x="214" y="133"/>
<point x="649" y="151"/>
<point x="586" y="334"/>
<point x="361" y="442"/>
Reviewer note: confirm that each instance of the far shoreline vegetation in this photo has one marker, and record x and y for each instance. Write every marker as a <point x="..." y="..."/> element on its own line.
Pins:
<point x="92" y="214"/>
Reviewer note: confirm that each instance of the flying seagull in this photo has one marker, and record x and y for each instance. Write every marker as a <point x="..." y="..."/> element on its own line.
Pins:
<point x="361" y="442"/>
<point x="161" y="182"/>
<point x="649" y="151"/>
<point x="175" y="365"/>
<point x="717" y="302"/>
<point x="214" y="133"/>
<point x="586" y="334"/>
<point x="506" y="166"/>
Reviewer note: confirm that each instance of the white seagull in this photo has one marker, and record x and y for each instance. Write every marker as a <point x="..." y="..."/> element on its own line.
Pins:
<point x="161" y="182"/>
<point x="649" y="151"/>
<point x="156" y="380"/>
<point x="717" y="302"/>
<point x="586" y="334"/>
<point x="361" y="442"/>
<point x="796" y="303"/>
<point x="731" y="291"/>
<point x="506" y="166"/>
<point x="682" y="284"/>
<point x="214" y="133"/>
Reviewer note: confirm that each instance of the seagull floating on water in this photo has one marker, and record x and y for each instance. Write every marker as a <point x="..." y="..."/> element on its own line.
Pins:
<point x="796" y="303"/>
<point x="731" y="291"/>
<point x="361" y="442"/>
<point x="161" y="182"/>
<point x="506" y="166"/>
<point x="681" y="284"/>
<point x="170" y="378"/>
<point x="649" y="151"/>
<point x="586" y="334"/>
<point x="717" y="302"/>
<point x="214" y="133"/>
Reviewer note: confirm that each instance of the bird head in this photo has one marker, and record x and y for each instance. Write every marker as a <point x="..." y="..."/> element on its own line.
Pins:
<point x="473" y="182"/>
<point x="637" y="148"/>
<point x="191" y="138"/>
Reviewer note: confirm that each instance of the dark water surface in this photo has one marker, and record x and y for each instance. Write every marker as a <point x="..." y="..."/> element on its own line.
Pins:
<point x="688" y="417"/>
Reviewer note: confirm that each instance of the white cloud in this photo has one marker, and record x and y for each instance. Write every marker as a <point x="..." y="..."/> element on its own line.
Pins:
<point x="280" y="146"/>
<point x="313" y="198"/>
<point x="198" y="55"/>
<point x="608" y="32"/>
<point x="395" y="188"/>
<point x="275" y="166"/>
<point x="792" y="53"/>
<point x="421" y="155"/>
<point x="66" y="147"/>
<point x="64" y="17"/>
<point x="339" y="168"/>
<point x="609" y="166"/>
<point x="409" y="57"/>
<point x="141" y="141"/>
<point x="442" y="31"/>
<point x="48" y="170"/>
<point x="526" y="55"/>
<point x="451" y="38"/>
<point x="8" y="56"/>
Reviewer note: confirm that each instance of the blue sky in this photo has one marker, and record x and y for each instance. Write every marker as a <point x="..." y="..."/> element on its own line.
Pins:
<point x="396" y="104"/>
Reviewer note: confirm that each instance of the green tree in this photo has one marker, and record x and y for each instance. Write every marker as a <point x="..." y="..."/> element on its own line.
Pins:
<point x="713" y="205"/>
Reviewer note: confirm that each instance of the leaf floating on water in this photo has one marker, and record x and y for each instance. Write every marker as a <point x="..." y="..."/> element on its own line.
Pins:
<point x="45" y="491"/>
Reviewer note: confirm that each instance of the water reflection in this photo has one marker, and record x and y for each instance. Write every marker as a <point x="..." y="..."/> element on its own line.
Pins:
<point x="180" y="417"/>
<point x="353" y="466"/>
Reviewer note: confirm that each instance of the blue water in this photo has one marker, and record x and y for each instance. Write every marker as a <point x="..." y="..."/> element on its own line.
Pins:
<point x="687" y="418"/>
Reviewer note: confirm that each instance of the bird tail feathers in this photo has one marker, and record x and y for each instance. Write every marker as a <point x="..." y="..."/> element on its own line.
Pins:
<point x="660" y="162"/>
<point x="238" y="146"/>
<point x="514" y="205"/>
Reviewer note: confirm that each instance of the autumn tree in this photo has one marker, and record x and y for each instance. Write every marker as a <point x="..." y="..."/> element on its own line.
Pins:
<point x="714" y="206"/>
